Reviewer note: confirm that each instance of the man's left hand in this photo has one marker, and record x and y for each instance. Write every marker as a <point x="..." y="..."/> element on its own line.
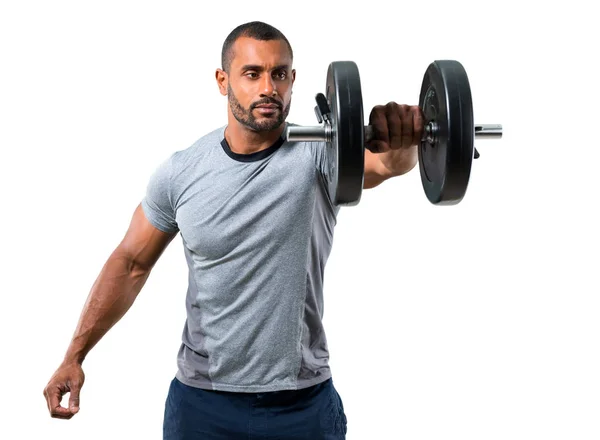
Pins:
<point x="397" y="130"/>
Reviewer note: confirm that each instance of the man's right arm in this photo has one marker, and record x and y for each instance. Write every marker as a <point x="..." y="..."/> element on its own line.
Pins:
<point x="118" y="284"/>
<point x="113" y="293"/>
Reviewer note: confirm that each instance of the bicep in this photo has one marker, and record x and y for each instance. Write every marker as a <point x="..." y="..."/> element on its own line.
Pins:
<point x="143" y="243"/>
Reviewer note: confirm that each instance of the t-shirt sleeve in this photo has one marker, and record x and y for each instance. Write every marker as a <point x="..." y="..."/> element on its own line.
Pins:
<point x="321" y="156"/>
<point x="157" y="203"/>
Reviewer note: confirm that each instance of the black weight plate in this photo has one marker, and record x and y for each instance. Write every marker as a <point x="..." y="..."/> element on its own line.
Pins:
<point x="346" y="151"/>
<point x="445" y="164"/>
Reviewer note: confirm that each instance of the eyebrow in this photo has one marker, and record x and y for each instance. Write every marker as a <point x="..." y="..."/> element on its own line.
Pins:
<point x="260" y="68"/>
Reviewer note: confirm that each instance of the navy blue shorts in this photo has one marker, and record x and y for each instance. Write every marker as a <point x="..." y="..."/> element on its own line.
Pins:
<point x="314" y="413"/>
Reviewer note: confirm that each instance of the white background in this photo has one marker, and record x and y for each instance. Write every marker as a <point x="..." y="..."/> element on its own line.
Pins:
<point x="478" y="321"/>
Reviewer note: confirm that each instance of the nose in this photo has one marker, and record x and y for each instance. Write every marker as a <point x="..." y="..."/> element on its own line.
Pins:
<point x="268" y="86"/>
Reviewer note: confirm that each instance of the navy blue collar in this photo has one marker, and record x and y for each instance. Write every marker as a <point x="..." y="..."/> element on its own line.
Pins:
<point x="252" y="157"/>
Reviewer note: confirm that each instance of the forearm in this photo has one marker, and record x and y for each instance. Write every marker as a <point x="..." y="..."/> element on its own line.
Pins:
<point x="380" y="167"/>
<point x="111" y="296"/>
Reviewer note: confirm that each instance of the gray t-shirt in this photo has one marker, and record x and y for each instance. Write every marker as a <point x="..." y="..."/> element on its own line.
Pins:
<point x="257" y="230"/>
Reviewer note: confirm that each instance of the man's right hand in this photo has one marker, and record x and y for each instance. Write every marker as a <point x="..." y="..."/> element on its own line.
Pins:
<point x="68" y="378"/>
<point x="114" y="291"/>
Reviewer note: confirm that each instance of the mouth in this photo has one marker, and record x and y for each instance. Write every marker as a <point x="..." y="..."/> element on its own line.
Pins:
<point x="267" y="110"/>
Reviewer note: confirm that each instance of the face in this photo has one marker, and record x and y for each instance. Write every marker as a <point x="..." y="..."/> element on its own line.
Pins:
<point x="259" y="83"/>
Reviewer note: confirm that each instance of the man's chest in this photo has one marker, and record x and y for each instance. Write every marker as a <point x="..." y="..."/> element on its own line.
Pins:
<point x="247" y="206"/>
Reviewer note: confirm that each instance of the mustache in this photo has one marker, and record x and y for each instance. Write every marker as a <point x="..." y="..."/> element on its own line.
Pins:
<point x="267" y="101"/>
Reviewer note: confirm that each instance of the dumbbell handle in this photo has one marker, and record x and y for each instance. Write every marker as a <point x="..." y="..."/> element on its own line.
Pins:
<point x="493" y="131"/>
<point x="324" y="133"/>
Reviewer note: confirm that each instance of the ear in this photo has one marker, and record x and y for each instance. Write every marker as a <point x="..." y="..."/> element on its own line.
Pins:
<point x="293" y="75"/>
<point x="222" y="81"/>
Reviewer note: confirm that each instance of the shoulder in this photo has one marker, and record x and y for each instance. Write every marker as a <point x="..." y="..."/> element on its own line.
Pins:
<point x="180" y="160"/>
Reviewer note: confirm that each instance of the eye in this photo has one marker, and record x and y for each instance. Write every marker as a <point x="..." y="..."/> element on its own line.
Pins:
<point x="282" y="74"/>
<point x="252" y="75"/>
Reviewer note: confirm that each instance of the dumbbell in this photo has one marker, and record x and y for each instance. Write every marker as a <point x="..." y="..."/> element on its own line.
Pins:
<point x="446" y="151"/>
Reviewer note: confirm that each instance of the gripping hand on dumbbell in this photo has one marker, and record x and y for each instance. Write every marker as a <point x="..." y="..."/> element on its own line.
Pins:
<point x="437" y="134"/>
<point x="396" y="131"/>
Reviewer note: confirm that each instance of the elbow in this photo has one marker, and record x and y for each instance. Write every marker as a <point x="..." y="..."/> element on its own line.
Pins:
<point x="133" y="266"/>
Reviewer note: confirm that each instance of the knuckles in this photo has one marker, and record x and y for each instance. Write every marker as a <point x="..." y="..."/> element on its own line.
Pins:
<point x="378" y="111"/>
<point x="392" y="108"/>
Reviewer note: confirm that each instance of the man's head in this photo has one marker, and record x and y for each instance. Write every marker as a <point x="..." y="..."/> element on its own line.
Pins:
<point x="256" y="75"/>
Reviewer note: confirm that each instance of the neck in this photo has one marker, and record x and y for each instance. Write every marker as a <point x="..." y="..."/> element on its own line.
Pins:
<point x="242" y="140"/>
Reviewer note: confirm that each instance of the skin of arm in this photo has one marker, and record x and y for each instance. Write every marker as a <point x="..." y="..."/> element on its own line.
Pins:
<point x="113" y="293"/>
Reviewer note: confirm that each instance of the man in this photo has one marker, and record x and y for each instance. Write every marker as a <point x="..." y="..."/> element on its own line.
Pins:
<point x="256" y="221"/>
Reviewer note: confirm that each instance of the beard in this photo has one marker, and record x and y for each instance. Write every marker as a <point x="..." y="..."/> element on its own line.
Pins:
<point x="246" y="116"/>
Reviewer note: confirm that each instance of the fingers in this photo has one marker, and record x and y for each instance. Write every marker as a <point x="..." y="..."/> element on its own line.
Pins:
<point x="418" y="125"/>
<point x="378" y="120"/>
<point x="68" y="378"/>
<point x="74" y="399"/>
<point x="54" y="393"/>
<point x="54" y="396"/>
<point x="395" y="126"/>
<point x="406" y="122"/>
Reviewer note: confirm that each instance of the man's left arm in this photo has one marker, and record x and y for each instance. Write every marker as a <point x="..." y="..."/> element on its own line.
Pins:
<point x="397" y="131"/>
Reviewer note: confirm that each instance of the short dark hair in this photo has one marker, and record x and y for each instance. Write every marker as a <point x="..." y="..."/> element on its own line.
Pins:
<point x="253" y="29"/>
